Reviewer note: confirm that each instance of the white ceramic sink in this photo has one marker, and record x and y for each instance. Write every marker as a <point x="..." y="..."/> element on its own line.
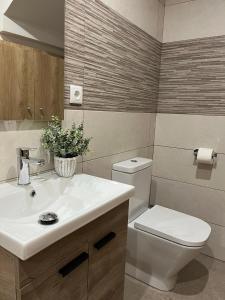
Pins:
<point x="77" y="201"/>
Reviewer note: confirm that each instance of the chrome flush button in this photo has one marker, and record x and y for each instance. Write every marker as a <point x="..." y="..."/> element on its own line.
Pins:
<point x="48" y="218"/>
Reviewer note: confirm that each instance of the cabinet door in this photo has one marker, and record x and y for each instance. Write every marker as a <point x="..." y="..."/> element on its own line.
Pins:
<point x="16" y="82"/>
<point x="48" y="86"/>
<point x="107" y="250"/>
<point x="68" y="282"/>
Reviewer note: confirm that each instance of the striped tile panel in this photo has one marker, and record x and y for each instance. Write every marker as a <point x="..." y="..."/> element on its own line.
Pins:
<point x="74" y="44"/>
<point x="121" y="62"/>
<point x="192" y="77"/>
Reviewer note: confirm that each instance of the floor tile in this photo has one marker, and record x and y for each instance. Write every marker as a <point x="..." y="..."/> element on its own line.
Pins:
<point x="202" y="279"/>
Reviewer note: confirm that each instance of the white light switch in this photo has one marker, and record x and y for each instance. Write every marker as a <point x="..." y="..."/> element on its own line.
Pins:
<point x="76" y="94"/>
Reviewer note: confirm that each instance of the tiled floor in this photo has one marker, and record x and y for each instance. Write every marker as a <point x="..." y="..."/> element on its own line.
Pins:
<point x="202" y="279"/>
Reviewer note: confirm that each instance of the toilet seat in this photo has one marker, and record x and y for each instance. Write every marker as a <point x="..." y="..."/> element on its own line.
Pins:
<point x="174" y="226"/>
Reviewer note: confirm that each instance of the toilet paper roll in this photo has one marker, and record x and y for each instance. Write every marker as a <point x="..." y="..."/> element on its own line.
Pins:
<point x="205" y="156"/>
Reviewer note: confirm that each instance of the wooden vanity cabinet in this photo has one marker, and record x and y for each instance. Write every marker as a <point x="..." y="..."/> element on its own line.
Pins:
<point x="31" y="83"/>
<point x="88" y="264"/>
<point x="71" y="284"/>
<point x="107" y="256"/>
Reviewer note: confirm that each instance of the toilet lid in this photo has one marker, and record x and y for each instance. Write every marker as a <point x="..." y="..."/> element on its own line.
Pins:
<point x="174" y="226"/>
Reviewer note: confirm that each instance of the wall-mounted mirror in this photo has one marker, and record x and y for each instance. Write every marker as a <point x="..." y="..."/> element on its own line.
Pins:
<point x="31" y="59"/>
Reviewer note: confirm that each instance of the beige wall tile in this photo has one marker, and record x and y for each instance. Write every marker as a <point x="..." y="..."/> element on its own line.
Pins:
<point x="194" y="19"/>
<point x="115" y="132"/>
<point x="146" y="14"/>
<point x="178" y="164"/>
<point x="27" y="134"/>
<point x="178" y="133"/>
<point x="190" y="131"/>
<point x="79" y="168"/>
<point x="197" y="191"/>
<point x="216" y="243"/>
<point x="151" y="130"/>
<point x="112" y="133"/>
<point x="21" y="125"/>
<point x="102" y="167"/>
<point x="71" y="116"/>
<point x="10" y="140"/>
<point x="173" y="2"/>
<point x="201" y="202"/>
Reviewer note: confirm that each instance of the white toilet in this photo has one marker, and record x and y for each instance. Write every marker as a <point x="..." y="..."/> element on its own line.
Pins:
<point x="161" y="241"/>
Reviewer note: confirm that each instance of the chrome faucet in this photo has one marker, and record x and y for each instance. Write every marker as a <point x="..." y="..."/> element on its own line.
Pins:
<point x="23" y="164"/>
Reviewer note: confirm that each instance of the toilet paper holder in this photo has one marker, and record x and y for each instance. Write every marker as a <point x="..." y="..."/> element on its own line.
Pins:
<point x="214" y="155"/>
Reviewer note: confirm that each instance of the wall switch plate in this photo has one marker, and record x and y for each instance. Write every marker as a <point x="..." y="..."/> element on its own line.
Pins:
<point x="76" y="94"/>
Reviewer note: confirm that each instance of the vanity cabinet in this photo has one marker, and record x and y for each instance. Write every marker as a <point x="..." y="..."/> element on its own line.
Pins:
<point x="66" y="280"/>
<point x="107" y="244"/>
<point x="31" y="83"/>
<point x="88" y="264"/>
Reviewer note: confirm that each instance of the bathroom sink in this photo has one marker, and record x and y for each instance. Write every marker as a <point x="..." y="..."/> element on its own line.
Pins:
<point x="76" y="201"/>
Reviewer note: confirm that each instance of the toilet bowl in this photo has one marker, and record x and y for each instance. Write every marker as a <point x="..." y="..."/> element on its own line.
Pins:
<point x="161" y="241"/>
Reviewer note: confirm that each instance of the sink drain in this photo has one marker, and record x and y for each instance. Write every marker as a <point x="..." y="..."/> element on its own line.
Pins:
<point x="48" y="218"/>
<point x="33" y="193"/>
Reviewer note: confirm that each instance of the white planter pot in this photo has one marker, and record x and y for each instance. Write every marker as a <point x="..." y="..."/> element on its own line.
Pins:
<point x="65" y="167"/>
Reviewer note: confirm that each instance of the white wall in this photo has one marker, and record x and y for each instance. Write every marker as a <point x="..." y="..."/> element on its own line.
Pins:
<point x="37" y="34"/>
<point x="34" y="20"/>
<point x="4" y="4"/>
<point x="146" y="14"/>
<point x="8" y="25"/>
<point x="193" y="19"/>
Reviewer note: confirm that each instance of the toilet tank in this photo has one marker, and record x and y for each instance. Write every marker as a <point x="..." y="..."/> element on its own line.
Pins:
<point x="137" y="172"/>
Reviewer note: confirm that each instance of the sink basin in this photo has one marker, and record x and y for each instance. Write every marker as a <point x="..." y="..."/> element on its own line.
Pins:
<point x="77" y="201"/>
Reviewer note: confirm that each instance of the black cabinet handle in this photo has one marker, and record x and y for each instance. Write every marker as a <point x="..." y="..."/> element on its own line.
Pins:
<point x="105" y="240"/>
<point x="76" y="262"/>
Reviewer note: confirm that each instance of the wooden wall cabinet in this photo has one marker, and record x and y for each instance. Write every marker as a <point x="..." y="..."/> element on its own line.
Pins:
<point x="88" y="264"/>
<point x="48" y="86"/>
<point x="31" y="83"/>
<point x="16" y="82"/>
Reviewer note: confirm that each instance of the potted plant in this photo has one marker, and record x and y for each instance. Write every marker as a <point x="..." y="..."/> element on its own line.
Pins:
<point x="65" y="144"/>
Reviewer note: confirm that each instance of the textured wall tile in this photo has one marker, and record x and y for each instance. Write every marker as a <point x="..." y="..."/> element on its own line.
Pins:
<point x="120" y="62"/>
<point x="74" y="44"/>
<point x="192" y="78"/>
